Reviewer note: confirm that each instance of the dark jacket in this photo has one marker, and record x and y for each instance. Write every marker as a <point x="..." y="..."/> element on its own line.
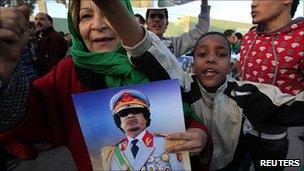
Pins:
<point x="51" y="49"/>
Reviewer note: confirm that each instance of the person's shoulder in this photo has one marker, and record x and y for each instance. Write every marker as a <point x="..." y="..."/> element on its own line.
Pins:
<point x="56" y="35"/>
<point x="66" y="62"/>
<point x="65" y="65"/>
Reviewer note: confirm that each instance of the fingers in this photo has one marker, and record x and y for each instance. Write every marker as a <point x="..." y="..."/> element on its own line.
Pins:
<point x="10" y="30"/>
<point x="190" y="134"/>
<point x="188" y="145"/>
<point x="160" y="134"/>
<point x="194" y="146"/>
<point x="12" y="20"/>
<point x="13" y="34"/>
<point x="195" y="141"/>
<point x="179" y="136"/>
<point x="26" y="11"/>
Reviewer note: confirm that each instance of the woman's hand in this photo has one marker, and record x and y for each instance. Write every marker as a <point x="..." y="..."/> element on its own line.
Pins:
<point x="124" y="24"/>
<point x="195" y="141"/>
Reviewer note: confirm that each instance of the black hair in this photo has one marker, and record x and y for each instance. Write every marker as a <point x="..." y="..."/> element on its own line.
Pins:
<point x="141" y="18"/>
<point x="49" y="18"/>
<point x="165" y="10"/>
<point x="294" y="6"/>
<point x="239" y="35"/>
<point x="212" y="33"/>
<point x="144" y="111"/>
<point x="228" y="32"/>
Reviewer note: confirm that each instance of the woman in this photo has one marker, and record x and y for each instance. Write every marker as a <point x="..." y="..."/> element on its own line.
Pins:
<point x="98" y="61"/>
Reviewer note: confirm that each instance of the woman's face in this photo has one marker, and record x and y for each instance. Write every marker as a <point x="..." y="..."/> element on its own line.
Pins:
<point x="95" y="30"/>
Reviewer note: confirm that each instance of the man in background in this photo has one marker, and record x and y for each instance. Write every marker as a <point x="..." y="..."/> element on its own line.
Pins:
<point x="51" y="46"/>
<point x="157" y="22"/>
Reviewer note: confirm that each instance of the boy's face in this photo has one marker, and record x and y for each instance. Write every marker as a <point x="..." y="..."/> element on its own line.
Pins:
<point x="264" y="11"/>
<point x="157" y="22"/>
<point x="232" y="39"/>
<point x="212" y="61"/>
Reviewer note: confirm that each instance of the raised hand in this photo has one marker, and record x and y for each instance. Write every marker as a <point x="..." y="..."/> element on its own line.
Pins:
<point x="13" y="38"/>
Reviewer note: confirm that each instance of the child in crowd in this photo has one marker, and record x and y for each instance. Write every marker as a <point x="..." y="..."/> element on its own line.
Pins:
<point x="231" y="109"/>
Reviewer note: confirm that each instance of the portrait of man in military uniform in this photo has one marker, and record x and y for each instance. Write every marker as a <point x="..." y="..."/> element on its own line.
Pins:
<point x="140" y="149"/>
<point x="148" y="112"/>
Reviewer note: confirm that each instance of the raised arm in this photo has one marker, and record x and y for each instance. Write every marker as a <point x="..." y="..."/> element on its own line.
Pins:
<point x="145" y="49"/>
<point x="186" y="41"/>
<point x="122" y="21"/>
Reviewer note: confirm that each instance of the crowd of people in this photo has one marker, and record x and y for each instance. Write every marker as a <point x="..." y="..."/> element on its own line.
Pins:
<point x="239" y="98"/>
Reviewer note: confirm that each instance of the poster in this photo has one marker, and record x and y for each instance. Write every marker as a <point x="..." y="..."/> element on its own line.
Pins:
<point x="110" y="146"/>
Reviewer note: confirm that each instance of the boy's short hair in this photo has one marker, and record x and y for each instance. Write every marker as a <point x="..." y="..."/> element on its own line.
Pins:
<point x="228" y="32"/>
<point x="213" y="33"/>
<point x="294" y="6"/>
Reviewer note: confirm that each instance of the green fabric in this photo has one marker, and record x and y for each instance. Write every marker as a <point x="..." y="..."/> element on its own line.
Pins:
<point x="115" y="66"/>
<point x="128" y="5"/>
<point x="236" y="47"/>
<point x="121" y="159"/>
<point x="189" y="112"/>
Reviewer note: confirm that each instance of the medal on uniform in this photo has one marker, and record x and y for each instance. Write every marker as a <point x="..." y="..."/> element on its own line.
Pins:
<point x="165" y="157"/>
<point x="151" y="159"/>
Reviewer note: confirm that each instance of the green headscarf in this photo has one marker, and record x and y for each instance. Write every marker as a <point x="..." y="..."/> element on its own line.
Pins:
<point x="115" y="66"/>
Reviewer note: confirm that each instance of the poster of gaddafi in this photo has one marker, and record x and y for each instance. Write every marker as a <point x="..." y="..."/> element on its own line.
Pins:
<point x="124" y="128"/>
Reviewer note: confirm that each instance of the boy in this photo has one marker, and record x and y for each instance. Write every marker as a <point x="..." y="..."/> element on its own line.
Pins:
<point x="227" y="106"/>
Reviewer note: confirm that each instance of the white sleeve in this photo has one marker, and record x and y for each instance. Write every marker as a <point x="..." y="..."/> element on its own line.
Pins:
<point x="161" y="53"/>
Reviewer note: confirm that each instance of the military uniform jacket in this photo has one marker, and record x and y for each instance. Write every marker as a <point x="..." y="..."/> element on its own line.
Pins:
<point x="151" y="154"/>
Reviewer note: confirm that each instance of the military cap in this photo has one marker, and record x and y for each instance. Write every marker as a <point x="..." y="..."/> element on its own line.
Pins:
<point x="128" y="98"/>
